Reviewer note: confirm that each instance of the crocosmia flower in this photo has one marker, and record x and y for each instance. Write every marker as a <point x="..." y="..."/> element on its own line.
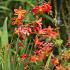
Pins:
<point x="60" y="67"/>
<point x="22" y="57"/>
<point x="50" y="32"/>
<point x="46" y="7"/>
<point x="36" y="41"/>
<point x="19" y="12"/>
<point x="16" y="21"/>
<point x="55" y="61"/>
<point x="22" y="30"/>
<point x="35" y="9"/>
<point x="68" y="42"/>
<point x="33" y="58"/>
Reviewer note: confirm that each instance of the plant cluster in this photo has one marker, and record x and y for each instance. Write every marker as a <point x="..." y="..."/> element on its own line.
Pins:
<point x="35" y="43"/>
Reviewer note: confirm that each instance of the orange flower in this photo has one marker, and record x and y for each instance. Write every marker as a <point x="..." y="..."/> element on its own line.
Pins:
<point x="41" y="31"/>
<point x="16" y="21"/>
<point x="33" y="58"/>
<point x="36" y="41"/>
<point x="19" y="12"/>
<point x="46" y="49"/>
<point x="40" y="57"/>
<point x="60" y="67"/>
<point x="50" y="32"/>
<point x="68" y="67"/>
<point x="55" y="61"/>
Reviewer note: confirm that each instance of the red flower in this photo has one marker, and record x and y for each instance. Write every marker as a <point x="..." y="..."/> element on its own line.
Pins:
<point x="20" y="44"/>
<point x="36" y="29"/>
<point x="46" y="7"/>
<point x="68" y="42"/>
<point x="19" y="12"/>
<point x="38" y="22"/>
<point x="22" y="57"/>
<point x="42" y="8"/>
<point x="35" y="9"/>
<point x="47" y="46"/>
<point x="37" y="25"/>
<point x="26" y="31"/>
<point x="21" y="37"/>
<point x="37" y="52"/>
<point x="23" y="30"/>
<point x="33" y="58"/>
<point x="29" y="30"/>
<point x="17" y="31"/>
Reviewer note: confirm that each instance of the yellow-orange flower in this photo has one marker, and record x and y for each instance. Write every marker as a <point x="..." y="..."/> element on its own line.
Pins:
<point x="33" y="58"/>
<point x="55" y="61"/>
<point x="19" y="12"/>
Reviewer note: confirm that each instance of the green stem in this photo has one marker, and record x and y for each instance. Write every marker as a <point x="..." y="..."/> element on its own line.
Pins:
<point x="48" y="61"/>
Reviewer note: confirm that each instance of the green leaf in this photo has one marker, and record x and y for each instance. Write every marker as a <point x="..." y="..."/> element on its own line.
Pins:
<point x="4" y="34"/>
<point x="47" y="17"/>
<point x="4" y="8"/>
<point x="0" y="33"/>
<point x="4" y="43"/>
